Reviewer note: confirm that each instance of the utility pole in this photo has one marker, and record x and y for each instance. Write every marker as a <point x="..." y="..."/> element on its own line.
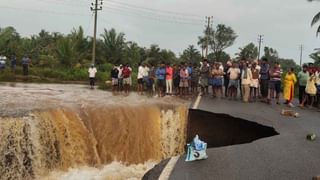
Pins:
<point x="94" y="7"/>
<point x="209" y="20"/>
<point x="260" y="40"/>
<point x="301" y="51"/>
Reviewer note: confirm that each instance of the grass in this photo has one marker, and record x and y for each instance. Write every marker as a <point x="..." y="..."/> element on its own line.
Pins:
<point x="61" y="75"/>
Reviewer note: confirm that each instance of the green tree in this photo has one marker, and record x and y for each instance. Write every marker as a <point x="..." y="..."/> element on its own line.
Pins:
<point x="9" y="40"/>
<point x="167" y="56"/>
<point x="132" y="54"/>
<point x="271" y="54"/>
<point x="224" y="57"/>
<point x="191" y="54"/>
<point x="221" y="38"/>
<point x="113" y="46"/>
<point x="288" y="63"/>
<point x="203" y="44"/>
<point x="316" y="58"/>
<point x="66" y="52"/>
<point x="247" y="52"/>
<point x="315" y="19"/>
<point x="153" y="54"/>
<point x="81" y="45"/>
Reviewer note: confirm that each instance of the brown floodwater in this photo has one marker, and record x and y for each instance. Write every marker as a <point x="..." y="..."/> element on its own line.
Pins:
<point x="53" y="131"/>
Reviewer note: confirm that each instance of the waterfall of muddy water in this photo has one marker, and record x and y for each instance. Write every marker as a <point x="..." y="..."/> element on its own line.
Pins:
<point x="90" y="142"/>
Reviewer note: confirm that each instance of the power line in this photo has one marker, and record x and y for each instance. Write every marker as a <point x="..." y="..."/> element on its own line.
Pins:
<point x="152" y="13"/>
<point x="60" y="2"/>
<point x="122" y="5"/>
<point x="89" y="25"/>
<point x="152" y="9"/>
<point x="129" y="8"/>
<point x="112" y="10"/>
<point x="42" y="11"/>
<point x="147" y="16"/>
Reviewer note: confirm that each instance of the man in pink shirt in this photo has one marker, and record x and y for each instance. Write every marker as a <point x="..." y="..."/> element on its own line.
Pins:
<point x="169" y="75"/>
<point x="184" y="75"/>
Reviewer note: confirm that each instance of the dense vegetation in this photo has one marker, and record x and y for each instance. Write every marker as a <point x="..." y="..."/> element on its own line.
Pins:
<point x="57" y="57"/>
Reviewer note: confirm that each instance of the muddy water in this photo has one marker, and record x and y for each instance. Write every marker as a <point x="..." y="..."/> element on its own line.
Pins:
<point x="89" y="136"/>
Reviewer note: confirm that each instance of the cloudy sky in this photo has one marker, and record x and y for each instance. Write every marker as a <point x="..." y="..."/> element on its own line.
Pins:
<point x="174" y="24"/>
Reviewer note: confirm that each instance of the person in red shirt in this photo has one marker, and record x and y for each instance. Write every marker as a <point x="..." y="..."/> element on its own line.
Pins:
<point x="169" y="75"/>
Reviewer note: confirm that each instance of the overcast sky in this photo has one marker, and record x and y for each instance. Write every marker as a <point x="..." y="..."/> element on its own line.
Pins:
<point x="174" y="24"/>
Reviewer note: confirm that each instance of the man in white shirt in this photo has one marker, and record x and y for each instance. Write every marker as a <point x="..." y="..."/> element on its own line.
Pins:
<point x="2" y="62"/>
<point x="141" y="72"/>
<point x="92" y="75"/>
<point x="120" y="78"/>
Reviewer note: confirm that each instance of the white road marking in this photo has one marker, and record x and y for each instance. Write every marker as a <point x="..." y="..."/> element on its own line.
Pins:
<point x="197" y="102"/>
<point x="169" y="168"/>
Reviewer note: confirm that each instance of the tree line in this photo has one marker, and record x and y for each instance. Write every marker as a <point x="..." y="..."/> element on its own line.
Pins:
<point x="73" y="50"/>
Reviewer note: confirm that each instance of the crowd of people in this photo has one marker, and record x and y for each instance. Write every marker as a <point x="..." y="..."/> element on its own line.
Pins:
<point x="249" y="80"/>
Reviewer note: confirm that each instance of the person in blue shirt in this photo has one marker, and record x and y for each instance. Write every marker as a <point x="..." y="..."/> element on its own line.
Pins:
<point x="161" y="79"/>
<point x="190" y="69"/>
<point x="25" y="64"/>
<point x="13" y="63"/>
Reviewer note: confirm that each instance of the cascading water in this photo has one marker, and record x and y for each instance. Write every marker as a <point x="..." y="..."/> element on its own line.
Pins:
<point x="44" y="143"/>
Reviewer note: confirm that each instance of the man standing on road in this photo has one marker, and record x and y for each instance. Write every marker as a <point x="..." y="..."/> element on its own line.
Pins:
<point x="25" y="65"/>
<point x="13" y="63"/>
<point x="275" y="83"/>
<point x="161" y="76"/>
<point x="140" y="75"/>
<point x="169" y="75"/>
<point x="184" y="75"/>
<point x="234" y="74"/>
<point x="92" y="75"/>
<point x="120" y="78"/>
<point x="303" y="77"/>
<point x="127" y="82"/>
<point x="2" y="62"/>
<point x="195" y="79"/>
<point x="246" y="78"/>
<point x="114" y="77"/>
<point x="264" y="79"/>
<point x="226" y="78"/>
<point x="204" y="77"/>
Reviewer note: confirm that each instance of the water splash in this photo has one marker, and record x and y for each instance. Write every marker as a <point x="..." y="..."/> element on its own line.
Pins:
<point x="114" y="171"/>
<point x="60" y="139"/>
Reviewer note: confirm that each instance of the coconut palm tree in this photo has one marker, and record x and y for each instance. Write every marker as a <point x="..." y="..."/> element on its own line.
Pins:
<point x="203" y="44"/>
<point x="316" y="57"/>
<point x="191" y="54"/>
<point x="113" y="45"/>
<point x="316" y="19"/>
<point x="66" y="52"/>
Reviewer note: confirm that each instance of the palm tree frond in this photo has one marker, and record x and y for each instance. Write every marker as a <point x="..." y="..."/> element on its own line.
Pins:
<point x="318" y="31"/>
<point x="315" y="19"/>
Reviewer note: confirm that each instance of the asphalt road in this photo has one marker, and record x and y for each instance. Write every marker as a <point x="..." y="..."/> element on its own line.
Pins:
<point x="287" y="156"/>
